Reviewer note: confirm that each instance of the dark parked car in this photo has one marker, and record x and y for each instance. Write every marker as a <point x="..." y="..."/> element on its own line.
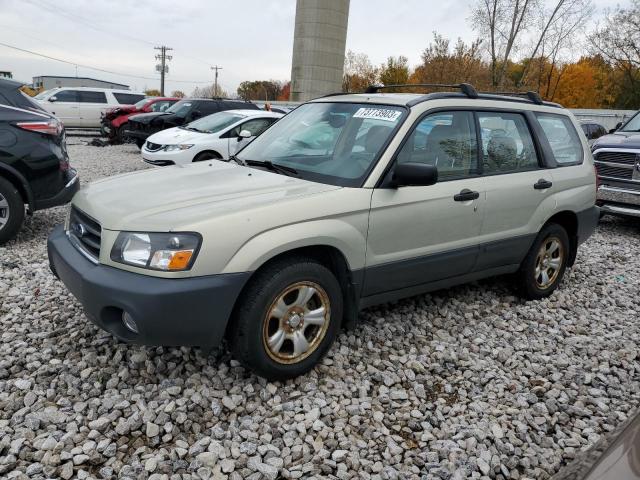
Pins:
<point x="34" y="165"/>
<point x="115" y="120"/>
<point x="592" y="130"/>
<point x="185" y="111"/>
<point x="617" y="159"/>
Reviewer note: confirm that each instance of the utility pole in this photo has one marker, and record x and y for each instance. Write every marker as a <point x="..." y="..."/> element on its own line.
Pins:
<point x="215" y="85"/>
<point x="163" y="68"/>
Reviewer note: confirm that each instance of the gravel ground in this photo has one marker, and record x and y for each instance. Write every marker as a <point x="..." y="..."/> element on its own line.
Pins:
<point x="465" y="383"/>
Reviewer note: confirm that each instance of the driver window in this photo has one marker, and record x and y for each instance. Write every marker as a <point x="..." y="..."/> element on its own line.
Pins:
<point x="506" y="143"/>
<point x="446" y="140"/>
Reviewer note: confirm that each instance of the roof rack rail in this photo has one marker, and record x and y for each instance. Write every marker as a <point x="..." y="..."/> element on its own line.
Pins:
<point x="466" y="88"/>
<point x="531" y="95"/>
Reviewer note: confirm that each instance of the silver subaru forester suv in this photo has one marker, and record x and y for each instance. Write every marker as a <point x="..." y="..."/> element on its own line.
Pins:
<point x="346" y="202"/>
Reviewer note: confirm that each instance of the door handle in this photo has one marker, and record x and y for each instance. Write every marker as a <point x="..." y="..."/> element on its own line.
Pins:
<point x="542" y="184"/>
<point x="466" y="195"/>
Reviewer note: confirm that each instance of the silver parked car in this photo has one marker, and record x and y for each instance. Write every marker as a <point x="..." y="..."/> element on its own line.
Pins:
<point x="346" y="202"/>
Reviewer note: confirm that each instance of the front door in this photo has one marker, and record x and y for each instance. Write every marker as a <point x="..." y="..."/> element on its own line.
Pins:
<point x="66" y="108"/>
<point x="255" y="127"/>
<point x="419" y="235"/>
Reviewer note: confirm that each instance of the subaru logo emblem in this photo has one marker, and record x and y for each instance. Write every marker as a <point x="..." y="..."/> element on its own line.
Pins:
<point x="79" y="229"/>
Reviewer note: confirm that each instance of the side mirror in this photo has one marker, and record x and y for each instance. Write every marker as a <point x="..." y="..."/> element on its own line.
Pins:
<point x="244" y="134"/>
<point x="414" y="174"/>
<point x="52" y="99"/>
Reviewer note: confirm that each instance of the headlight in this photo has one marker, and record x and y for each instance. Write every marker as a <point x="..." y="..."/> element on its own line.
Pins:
<point x="173" y="148"/>
<point x="157" y="251"/>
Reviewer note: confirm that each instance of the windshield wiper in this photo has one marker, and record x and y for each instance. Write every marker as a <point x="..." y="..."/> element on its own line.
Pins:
<point x="274" y="167"/>
<point x="237" y="160"/>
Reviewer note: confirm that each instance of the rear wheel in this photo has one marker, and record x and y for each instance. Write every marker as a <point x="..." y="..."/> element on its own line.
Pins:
<point x="201" y="157"/>
<point x="11" y="211"/>
<point x="287" y="318"/>
<point x="545" y="264"/>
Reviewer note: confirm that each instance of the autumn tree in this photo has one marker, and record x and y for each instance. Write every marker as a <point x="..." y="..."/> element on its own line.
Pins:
<point x="586" y="84"/>
<point x="152" y="92"/>
<point x="260" y="90"/>
<point x="443" y="64"/>
<point x="178" y="94"/>
<point x="359" y="72"/>
<point x="285" y="92"/>
<point x="395" y="71"/>
<point x="617" y="40"/>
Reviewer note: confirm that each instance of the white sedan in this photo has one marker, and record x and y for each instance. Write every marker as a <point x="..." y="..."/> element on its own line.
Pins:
<point x="216" y="136"/>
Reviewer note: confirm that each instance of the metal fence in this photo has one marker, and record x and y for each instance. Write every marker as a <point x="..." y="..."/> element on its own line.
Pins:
<point x="607" y="118"/>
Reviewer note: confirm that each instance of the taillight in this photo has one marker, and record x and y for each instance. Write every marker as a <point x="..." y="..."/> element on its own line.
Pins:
<point x="49" y="127"/>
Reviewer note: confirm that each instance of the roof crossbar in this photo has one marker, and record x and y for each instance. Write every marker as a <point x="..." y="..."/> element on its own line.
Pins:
<point x="466" y="88"/>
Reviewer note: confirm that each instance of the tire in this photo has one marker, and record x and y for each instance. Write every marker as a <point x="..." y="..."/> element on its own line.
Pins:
<point x="273" y="307"/>
<point x="11" y="211"/>
<point x="201" y="157"/>
<point x="120" y="137"/>
<point x="551" y="250"/>
<point x="140" y="143"/>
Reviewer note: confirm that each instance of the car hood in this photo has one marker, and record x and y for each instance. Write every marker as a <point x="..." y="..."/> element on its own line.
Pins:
<point x="146" y="118"/>
<point x="178" y="198"/>
<point x="178" y="135"/>
<point x="618" y="140"/>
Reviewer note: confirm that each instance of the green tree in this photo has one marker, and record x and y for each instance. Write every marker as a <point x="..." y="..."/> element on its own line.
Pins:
<point x="267" y="90"/>
<point x="395" y="71"/>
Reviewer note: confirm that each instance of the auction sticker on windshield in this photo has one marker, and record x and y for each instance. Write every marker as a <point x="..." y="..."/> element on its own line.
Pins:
<point x="378" y="114"/>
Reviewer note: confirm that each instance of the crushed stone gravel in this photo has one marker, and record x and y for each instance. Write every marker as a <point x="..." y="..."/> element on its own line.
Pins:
<point x="470" y="382"/>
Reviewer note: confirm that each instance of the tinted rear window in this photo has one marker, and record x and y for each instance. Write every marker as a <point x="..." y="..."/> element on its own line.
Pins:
<point x="128" y="98"/>
<point x="563" y="138"/>
<point x="92" y="97"/>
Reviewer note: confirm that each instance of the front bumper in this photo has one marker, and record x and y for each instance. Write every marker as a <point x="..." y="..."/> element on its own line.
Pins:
<point x="167" y="311"/>
<point x="618" y="200"/>
<point x="137" y="134"/>
<point x="64" y="196"/>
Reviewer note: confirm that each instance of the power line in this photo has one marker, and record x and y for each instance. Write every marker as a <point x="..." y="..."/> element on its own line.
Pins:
<point x="31" y="52"/>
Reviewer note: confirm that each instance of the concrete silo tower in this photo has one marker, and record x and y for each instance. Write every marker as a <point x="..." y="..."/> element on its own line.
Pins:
<point x="318" y="48"/>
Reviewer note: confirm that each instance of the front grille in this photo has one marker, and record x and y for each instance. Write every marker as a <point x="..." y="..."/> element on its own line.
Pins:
<point x="152" y="147"/>
<point x="627" y="158"/>
<point x="85" y="233"/>
<point x="606" y="170"/>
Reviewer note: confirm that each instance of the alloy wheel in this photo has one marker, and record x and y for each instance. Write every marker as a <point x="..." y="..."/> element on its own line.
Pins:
<point x="549" y="262"/>
<point x="4" y="211"/>
<point x="296" y="322"/>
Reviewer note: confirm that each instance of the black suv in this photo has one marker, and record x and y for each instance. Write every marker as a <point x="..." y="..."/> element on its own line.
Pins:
<point x="34" y="164"/>
<point x="180" y="113"/>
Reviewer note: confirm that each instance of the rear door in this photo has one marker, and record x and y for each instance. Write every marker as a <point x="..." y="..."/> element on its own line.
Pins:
<point x="66" y="107"/>
<point x="92" y="105"/>
<point x="519" y="190"/>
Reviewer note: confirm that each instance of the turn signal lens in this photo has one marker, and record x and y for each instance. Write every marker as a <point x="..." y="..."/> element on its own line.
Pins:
<point x="180" y="260"/>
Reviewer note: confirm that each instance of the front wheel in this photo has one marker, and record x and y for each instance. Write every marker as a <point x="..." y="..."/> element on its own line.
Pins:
<point x="201" y="157"/>
<point x="11" y="211"/>
<point x="545" y="264"/>
<point x="287" y="319"/>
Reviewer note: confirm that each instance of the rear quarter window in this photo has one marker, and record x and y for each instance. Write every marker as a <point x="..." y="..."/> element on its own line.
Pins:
<point x="128" y="98"/>
<point x="562" y="137"/>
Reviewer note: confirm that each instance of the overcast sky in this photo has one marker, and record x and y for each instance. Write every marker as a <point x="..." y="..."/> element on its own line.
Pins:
<point x="250" y="39"/>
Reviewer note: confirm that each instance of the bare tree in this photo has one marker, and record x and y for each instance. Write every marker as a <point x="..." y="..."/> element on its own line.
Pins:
<point x="503" y="22"/>
<point x="209" y="91"/>
<point x="556" y="28"/>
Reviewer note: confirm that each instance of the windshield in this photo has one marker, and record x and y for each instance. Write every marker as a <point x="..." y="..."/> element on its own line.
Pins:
<point x="632" y="125"/>
<point x="215" y="123"/>
<point x="335" y="143"/>
<point x="140" y="105"/>
<point x="180" y="108"/>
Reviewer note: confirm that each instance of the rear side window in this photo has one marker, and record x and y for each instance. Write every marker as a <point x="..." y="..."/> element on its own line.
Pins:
<point x="563" y="138"/>
<point x="446" y="140"/>
<point x="128" y="98"/>
<point x="507" y="145"/>
<point x="92" y="97"/>
<point x="207" y="108"/>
